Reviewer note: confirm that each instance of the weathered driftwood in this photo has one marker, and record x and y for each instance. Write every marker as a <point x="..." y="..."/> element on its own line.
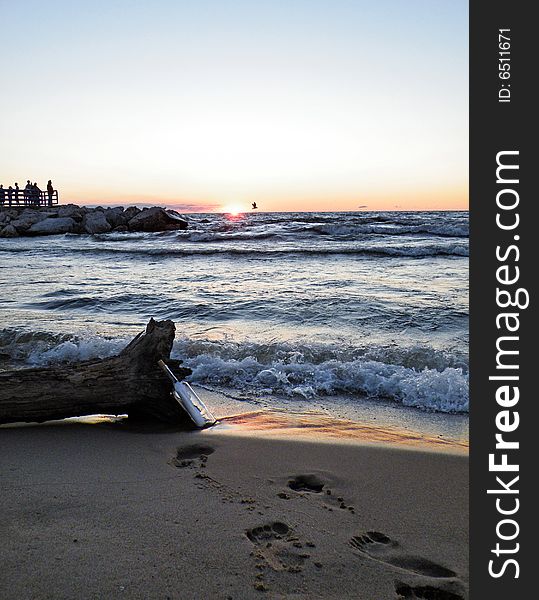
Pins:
<point x="130" y="383"/>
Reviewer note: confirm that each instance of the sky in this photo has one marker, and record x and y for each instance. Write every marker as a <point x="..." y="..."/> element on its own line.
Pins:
<point x="209" y="104"/>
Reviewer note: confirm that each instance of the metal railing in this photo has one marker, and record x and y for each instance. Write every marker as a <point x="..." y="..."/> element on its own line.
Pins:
<point x="27" y="198"/>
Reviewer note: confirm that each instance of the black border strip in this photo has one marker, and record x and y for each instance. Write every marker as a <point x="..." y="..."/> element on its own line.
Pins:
<point x="496" y="127"/>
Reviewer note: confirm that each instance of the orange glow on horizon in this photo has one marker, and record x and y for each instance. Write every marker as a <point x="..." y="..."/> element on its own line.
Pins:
<point x="390" y="198"/>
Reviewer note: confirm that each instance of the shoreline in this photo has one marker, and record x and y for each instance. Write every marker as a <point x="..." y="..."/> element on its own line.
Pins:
<point x="278" y="424"/>
<point x="339" y="418"/>
<point x="294" y="424"/>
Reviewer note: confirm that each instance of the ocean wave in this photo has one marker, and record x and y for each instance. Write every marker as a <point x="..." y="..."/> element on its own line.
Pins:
<point x="445" y="391"/>
<point x="119" y="237"/>
<point x="323" y="370"/>
<point x="41" y="348"/>
<point x="418" y="376"/>
<point x="18" y="344"/>
<point x="351" y="231"/>
<point x="207" y="236"/>
<point x="122" y="302"/>
<point x="298" y="231"/>
<point x="416" y="251"/>
<point x="397" y="218"/>
<point x="37" y="348"/>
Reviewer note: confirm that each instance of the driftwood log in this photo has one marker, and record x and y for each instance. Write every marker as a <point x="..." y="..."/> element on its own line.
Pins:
<point x="130" y="383"/>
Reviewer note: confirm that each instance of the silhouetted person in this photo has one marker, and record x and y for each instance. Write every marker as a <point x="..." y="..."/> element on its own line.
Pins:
<point x="254" y="205"/>
<point x="17" y="190"/>
<point x="2" y="194"/>
<point x="9" y="194"/>
<point x="36" y="193"/>
<point x="28" y="192"/>
<point x="50" y="191"/>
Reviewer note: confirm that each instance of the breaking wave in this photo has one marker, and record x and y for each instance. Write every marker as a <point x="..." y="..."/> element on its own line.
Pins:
<point x="419" y="376"/>
<point x="423" y="251"/>
<point x="390" y="229"/>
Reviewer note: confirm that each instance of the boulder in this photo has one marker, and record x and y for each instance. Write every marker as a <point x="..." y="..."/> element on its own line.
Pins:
<point x="29" y="217"/>
<point x="130" y="212"/>
<point x="72" y="211"/>
<point x="9" y="232"/>
<point x="9" y="214"/>
<point x="96" y="222"/>
<point x="115" y="216"/>
<point x="52" y="226"/>
<point x="156" y="219"/>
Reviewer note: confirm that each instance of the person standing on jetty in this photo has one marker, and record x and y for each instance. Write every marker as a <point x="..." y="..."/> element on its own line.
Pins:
<point x="28" y="192"/>
<point x="17" y="191"/>
<point x="50" y="191"/>
<point x="36" y="194"/>
<point x="2" y="195"/>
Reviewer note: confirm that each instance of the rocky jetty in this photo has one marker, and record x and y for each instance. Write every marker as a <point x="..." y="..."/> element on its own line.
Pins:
<point x="18" y="221"/>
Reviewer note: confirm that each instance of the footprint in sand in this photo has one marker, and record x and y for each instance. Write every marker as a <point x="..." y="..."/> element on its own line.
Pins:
<point x="424" y="592"/>
<point x="306" y="483"/>
<point x="276" y="545"/>
<point x="186" y="455"/>
<point x="379" y="546"/>
<point x="195" y="456"/>
<point x="313" y="484"/>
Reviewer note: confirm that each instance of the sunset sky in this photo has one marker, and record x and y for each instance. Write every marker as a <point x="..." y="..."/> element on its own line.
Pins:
<point x="204" y="104"/>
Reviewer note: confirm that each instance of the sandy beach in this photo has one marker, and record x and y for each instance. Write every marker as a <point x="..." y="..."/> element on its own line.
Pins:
<point x="106" y="510"/>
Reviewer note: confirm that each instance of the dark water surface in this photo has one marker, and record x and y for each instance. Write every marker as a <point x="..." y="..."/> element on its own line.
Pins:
<point x="313" y="308"/>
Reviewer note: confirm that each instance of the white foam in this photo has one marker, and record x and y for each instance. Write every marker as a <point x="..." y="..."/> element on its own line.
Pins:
<point x="76" y="351"/>
<point x="288" y="369"/>
<point x="429" y="389"/>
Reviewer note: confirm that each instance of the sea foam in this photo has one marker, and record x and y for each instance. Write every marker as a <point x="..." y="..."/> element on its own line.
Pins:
<point x="403" y="375"/>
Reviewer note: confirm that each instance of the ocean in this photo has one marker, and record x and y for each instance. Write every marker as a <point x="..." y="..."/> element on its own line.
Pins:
<point x="334" y="312"/>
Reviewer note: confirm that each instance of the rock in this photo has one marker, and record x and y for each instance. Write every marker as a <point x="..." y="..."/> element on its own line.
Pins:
<point x="130" y="212"/>
<point x="29" y="217"/>
<point x="73" y="211"/>
<point x="9" y="214"/>
<point x="120" y="229"/>
<point x="115" y="216"/>
<point x="9" y="232"/>
<point x="156" y="219"/>
<point x="96" y="222"/>
<point x="52" y="226"/>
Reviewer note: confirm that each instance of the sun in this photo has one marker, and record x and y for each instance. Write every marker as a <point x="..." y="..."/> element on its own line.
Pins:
<point x="233" y="209"/>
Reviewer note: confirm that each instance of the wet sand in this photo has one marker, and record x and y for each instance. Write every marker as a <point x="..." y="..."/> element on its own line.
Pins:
<point x="239" y="512"/>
